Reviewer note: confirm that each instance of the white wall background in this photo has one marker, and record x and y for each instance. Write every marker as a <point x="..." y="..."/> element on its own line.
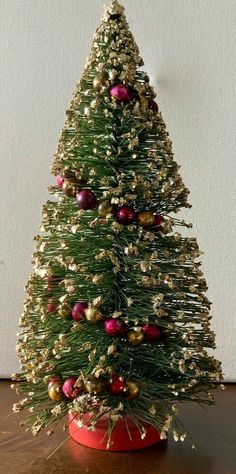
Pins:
<point x="189" y="49"/>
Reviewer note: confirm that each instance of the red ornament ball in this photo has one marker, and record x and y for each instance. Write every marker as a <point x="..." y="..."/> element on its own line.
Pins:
<point x="78" y="311"/>
<point x="59" y="180"/>
<point x="51" y="306"/>
<point x="153" y="106"/>
<point x="54" y="379"/>
<point x="151" y="332"/>
<point x="116" y="386"/>
<point x="69" y="388"/>
<point x="114" y="327"/>
<point x="125" y="215"/>
<point x="121" y="93"/>
<point x="158" y="220"/>
<point x="77" y="174"/>
<point x="86" y="199"/>
<point x="53" y="281"/>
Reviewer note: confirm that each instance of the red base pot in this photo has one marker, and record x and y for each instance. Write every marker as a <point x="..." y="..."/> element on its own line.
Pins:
<point x="121" y="439"/>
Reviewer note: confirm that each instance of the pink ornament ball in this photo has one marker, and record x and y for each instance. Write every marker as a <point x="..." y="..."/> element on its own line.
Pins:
<point x="125" y="215"/>
<point x="59" y="180"/>
<point x="158" y="220"/>
<point x="151" y="332"/>
<point x="78" y="311"/>
<point x="86" y="199"/>
<point x="153" y="106"/>
<point x="121" y="93"/>
<point x="69" y="388"/>
<point x="114" y="327"/>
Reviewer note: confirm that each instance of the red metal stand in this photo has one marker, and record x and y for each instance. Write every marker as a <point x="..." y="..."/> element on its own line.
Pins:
<point x="121" y="439"/>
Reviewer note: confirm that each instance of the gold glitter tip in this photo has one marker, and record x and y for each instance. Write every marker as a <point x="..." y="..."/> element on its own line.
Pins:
<point x="113" y="8"/>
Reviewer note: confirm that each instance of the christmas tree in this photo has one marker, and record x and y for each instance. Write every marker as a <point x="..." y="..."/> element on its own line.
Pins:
<point x="116" y="320"/>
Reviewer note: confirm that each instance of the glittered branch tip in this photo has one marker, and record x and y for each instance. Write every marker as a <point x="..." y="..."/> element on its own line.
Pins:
<point x="114" y="9"/>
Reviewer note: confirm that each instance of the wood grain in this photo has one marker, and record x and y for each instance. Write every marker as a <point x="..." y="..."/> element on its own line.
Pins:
<point x="213" y="431"/>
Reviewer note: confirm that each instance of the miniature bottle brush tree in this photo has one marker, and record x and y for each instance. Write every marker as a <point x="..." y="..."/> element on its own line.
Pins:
<point x="116" y="321"/>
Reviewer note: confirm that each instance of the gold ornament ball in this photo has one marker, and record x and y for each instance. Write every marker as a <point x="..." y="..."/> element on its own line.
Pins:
<point x="93" y="386"/>
<point x="135" y="338"/>
<point x="55" y="392"/>
<point x="99" y="81"/>
<point x="146" y="218"/>
<point x="93" y="315"/>
<point x="144" y="102"/>
<point x="65" y="313"/>
<point x="69" y="187"/>
<point x="80" y="384"/>
<point x="105" y="208"/>
<point x="133" y="390"/>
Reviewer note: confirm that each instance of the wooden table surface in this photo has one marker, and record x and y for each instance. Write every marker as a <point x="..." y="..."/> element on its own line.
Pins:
<point x="213" y="430"/>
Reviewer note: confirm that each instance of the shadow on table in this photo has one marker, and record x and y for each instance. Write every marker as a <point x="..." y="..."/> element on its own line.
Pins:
<point x="165" y="458"/>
